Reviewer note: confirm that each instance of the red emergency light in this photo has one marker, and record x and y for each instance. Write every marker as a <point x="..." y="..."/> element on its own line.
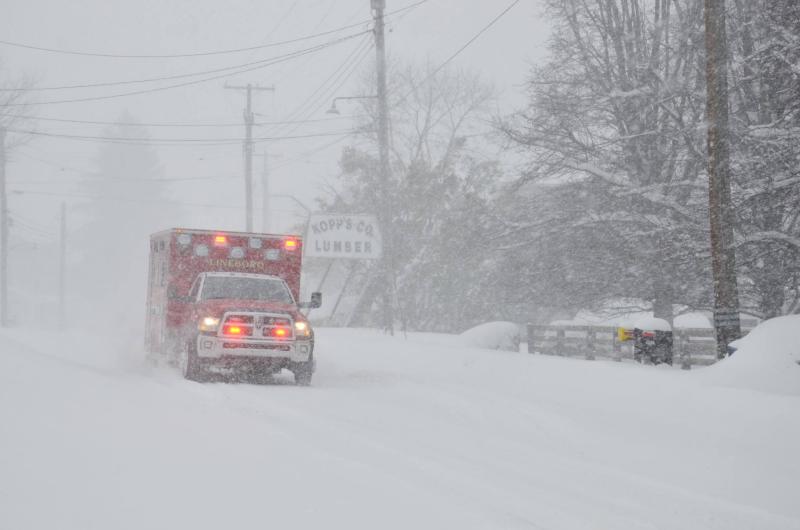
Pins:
<point x="280" y="333"/>
<point x="237" y="331"/>
<point x="290" y="244"/>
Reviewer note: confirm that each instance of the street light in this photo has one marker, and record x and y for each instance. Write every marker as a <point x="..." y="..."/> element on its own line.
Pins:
<point x="334" y="110"/>
<point x="294" y="199"/>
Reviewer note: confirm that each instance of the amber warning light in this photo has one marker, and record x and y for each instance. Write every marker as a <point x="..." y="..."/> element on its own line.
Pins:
<point x="220" y="240"/>
<point x="291" y="244"/>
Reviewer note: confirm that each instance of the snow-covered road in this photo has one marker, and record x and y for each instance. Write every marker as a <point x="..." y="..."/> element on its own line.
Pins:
<point x="395" y="433"/>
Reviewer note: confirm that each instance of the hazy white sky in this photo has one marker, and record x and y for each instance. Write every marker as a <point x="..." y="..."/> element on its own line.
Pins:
<point x="431" y="31"/>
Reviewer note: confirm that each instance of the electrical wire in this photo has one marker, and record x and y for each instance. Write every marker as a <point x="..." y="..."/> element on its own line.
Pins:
<point x="171" y="141"/>
<point x="178" y="85"/>
<point x="199" y="54"/>
<point x="332" y="91"/>
<point x="56" y="165"/>
<point x="283" y="19"/>
<point x="126" y="199"/>
<point x="324" y="92"/>
<point x="306" y="154"/>
<point x="302" y="66"/>
<point x="183" y="76"/>
<point x="458" y="51"/>
<point x="31" y="226"/>
<point x="300" y="109"/>
<point x="163" y="124"/>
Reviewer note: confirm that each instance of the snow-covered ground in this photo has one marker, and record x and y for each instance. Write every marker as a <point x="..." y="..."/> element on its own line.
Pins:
<point x="422" y="432"/>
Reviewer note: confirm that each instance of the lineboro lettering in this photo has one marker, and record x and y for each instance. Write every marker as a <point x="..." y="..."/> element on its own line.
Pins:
<point x="224" y="264"/>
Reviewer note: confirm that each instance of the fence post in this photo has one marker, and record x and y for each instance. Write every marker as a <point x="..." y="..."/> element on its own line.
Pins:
<point x="591" y="348"/>
<point x="530" y="339"/>
<point x="617" y="346"/>
<point x="686" y="356"/>
<point x="560" y="342"/>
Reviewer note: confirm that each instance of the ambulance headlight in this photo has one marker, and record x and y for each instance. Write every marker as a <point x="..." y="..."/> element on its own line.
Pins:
<point x="208" y="324"/>
<point x="302" y="329"/>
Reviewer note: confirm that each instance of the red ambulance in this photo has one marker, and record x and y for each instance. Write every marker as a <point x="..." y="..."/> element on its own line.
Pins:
<point x="221" y="302"/>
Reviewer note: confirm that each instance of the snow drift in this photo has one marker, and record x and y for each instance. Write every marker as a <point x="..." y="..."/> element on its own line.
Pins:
<point x="766" y="359"/>
<point x="493" y="336"/>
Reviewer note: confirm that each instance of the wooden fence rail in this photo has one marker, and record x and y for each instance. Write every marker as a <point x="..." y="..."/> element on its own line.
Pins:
<point x="691" y="346"/>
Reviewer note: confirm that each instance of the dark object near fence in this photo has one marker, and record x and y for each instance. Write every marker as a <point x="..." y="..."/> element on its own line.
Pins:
<point x="691" y="346"/>
<point x="652" y="347"/>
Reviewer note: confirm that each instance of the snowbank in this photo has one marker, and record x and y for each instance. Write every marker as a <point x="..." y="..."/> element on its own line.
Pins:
<point x="493" y="336"/>
<point x="766" y="359"/>
<point x="692" y="320"/>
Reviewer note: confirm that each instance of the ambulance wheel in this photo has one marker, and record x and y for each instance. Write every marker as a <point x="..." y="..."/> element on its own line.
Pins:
<point x="191" y="365"/>
<point x="303" y="373"/>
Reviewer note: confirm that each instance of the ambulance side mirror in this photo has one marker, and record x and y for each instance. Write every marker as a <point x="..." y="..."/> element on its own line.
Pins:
<point x="316" y="301"/>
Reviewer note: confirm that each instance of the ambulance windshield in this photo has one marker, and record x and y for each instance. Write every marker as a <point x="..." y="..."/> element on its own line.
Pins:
<point x="246" y="288"/>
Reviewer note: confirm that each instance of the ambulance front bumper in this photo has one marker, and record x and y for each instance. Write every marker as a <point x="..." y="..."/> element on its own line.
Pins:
<point x="211" y="347"/>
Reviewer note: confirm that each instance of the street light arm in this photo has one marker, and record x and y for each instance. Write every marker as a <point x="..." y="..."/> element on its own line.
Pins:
<point x="296" y="201"/>
<point x="334" y="110"/>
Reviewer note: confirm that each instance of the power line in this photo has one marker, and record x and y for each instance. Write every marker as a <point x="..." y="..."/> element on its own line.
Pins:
<point x="461" y="49"/>
<point x="155" y="180"/>
<point x="126" y="199"/>
<point x="300" y="109"/>
<point x="197" y="54"/>
<point x="56" y="165"/>
<point x="305" y="154"/>
<point x="183" y="76"/>
<point x="283" y="19"/>
<point x="330" y="85"/>
<point x="169" y="141"/>
<point x="176" y="124"/>
<point x="187" y="83"/>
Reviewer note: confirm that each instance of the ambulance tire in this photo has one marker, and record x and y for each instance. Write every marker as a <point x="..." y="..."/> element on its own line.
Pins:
<point x="303" y="373"/>
<point x="192" y="365"/>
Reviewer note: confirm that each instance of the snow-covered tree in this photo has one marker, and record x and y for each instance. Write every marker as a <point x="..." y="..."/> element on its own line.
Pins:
<point x="613" y="138"/>
<point x="439" y="191"/>
<point x="766" y="130"/>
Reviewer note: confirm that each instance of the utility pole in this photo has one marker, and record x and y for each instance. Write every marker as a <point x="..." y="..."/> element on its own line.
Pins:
<point x="384" y="206"/>
<point x="62" y="266"/>
<point x="266" y="211"/>
<point x="248" y="149"/>
<point x="3" y="233"/>
<point x="723" y="255"/>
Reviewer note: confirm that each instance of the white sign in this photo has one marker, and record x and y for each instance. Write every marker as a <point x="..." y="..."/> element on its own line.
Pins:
<point x="343" y="236"/>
